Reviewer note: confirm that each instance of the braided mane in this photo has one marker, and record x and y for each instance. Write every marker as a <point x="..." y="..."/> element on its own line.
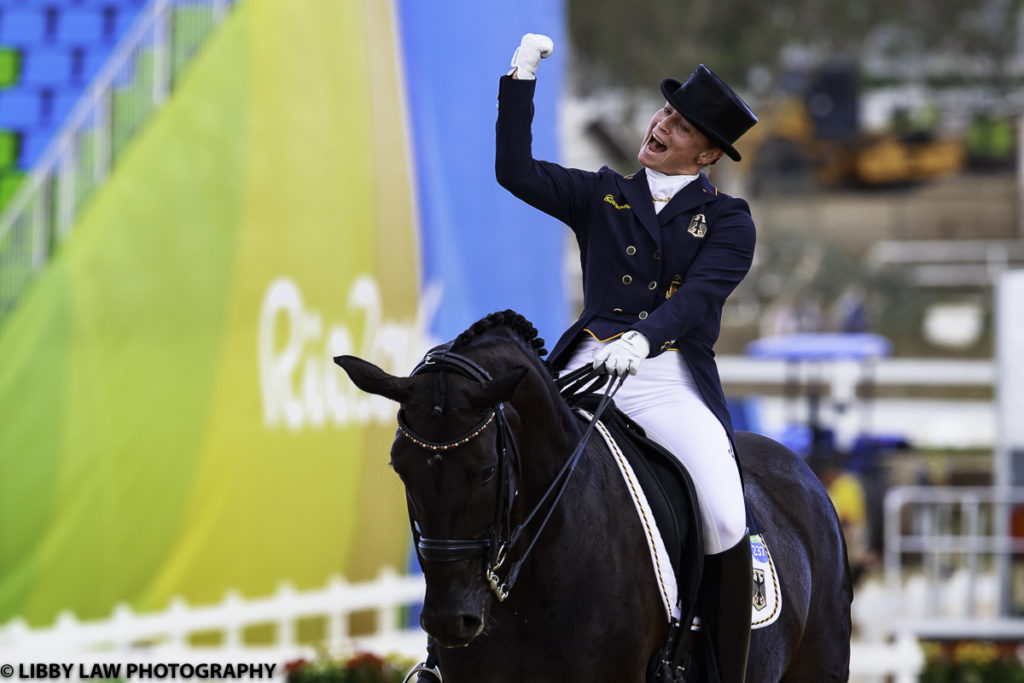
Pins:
<point x="522" y="327"/>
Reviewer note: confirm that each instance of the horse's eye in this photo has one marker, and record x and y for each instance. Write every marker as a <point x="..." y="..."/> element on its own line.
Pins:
<point x="487" y="474"/>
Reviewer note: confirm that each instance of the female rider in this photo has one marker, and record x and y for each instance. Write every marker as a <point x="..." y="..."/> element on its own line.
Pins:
<point x="661" y="249"/>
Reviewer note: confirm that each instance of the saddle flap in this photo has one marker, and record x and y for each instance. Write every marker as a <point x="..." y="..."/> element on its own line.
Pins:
<point x="670" y="494"/>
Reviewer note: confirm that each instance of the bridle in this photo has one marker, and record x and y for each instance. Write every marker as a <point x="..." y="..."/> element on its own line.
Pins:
<point x="447" y="549"/>
<point x="503" y="535"/>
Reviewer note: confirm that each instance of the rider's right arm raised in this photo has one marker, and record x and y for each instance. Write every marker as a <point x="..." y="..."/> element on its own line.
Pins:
<point x="558" y="191"/>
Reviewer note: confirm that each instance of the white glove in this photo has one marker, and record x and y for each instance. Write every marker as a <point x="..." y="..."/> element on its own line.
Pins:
<point x="533" y="48"/>
<point x="622" y="355"/>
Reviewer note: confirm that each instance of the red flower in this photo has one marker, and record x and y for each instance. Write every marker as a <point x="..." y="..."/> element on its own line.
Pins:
<point x="366" y="661"/>
<point x="295" y="665"/>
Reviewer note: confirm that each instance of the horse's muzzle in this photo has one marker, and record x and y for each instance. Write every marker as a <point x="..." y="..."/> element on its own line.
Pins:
<point x="457" y="629"/>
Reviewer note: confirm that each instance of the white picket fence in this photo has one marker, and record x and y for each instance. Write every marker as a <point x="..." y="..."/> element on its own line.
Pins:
<point x="897" y="661"/>
<point x="127" y="636"/>
<point x="165" y="635"/>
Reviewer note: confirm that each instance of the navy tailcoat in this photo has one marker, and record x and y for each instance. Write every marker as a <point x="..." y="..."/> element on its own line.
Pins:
<point x="666" y="275"/>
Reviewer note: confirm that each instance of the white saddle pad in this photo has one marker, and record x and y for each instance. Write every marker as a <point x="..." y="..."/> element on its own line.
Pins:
<point x="664" y="575"/>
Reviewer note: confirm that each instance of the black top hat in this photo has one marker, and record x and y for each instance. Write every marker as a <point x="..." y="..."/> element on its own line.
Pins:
<point x="709" y="104"/>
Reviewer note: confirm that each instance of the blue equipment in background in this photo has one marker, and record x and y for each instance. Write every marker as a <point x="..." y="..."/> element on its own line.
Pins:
<point x="807" y="354"/>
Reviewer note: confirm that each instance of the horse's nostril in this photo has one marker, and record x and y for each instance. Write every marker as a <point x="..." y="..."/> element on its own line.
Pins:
<point x="471" y="624"/>
<point x="455" y="629"/>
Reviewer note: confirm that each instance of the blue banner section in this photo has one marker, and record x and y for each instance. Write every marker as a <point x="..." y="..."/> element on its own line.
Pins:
<point x="487" y="250"/>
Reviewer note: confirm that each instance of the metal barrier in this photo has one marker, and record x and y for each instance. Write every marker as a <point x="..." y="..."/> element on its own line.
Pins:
<point x="952" y="548"/>
<point x="948" y="559"/>
<point x="135" y="81"/>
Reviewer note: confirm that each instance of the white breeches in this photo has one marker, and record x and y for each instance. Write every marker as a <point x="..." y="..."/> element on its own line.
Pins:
<point x="663" y="399"/>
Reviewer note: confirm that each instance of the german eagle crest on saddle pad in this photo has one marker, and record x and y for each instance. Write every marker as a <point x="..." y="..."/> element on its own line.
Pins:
<point x="767" y="601"/>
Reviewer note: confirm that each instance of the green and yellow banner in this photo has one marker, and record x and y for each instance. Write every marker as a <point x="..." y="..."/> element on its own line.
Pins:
<point x="170" y="420"/>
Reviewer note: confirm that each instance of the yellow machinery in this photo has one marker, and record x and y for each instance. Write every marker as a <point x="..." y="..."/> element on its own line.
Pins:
<point x="812" y="136"/>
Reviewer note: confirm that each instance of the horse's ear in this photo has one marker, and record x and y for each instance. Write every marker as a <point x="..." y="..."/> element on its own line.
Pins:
<point x="373" y="380"/>
<point x="499" y="389"/>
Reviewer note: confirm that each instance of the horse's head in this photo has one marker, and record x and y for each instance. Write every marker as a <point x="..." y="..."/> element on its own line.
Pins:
<point x="455" y="454"/>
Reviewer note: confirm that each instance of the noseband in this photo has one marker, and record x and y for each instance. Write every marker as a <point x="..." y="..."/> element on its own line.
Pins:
<point x="502" y="535"/>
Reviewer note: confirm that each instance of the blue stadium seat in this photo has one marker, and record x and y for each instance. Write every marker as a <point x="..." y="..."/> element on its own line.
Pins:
<point x="23" y="26"/>
<point x="85" y="64"/>
<point x="81" y="26"/>
<point x="33" y="143"/>
<point x="55" y="107"/>
<point x="63" y="104"/>
<point x="19" y="108"/>
<point x="126" y="16"/>
<point x="46" y="66"/>
<point x="94" y="59"/>
<point x="133" y="5"/>
<point x="63" y="45"/>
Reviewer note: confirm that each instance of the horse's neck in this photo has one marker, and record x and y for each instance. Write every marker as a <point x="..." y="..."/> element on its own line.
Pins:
<point x="594" y="488"/>
<point x="570" y="564"/>
<point x="547" y="433"/>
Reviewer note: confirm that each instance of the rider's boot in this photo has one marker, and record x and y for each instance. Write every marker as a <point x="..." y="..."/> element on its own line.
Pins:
<point x="727" y="591"/>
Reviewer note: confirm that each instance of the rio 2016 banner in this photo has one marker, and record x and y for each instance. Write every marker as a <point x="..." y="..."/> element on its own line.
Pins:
<point x="320" y="183"/>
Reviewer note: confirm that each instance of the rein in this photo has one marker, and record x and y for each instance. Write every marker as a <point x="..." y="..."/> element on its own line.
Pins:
<point x="560" y="481"/>
<point x="503" y="535"/>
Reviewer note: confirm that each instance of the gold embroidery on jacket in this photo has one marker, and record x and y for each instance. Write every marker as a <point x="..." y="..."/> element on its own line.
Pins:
<point x="611" y="200"/>
<point x="677" y="281"/>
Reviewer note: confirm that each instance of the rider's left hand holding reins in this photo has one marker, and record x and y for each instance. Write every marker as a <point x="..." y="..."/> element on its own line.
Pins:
<point x="624" y="355"/>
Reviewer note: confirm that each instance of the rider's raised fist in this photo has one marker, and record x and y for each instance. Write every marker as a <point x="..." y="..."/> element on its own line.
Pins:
<point x="533" y="48"/>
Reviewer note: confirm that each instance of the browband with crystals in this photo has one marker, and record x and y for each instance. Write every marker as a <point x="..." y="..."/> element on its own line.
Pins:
<point x="443" y="446"/>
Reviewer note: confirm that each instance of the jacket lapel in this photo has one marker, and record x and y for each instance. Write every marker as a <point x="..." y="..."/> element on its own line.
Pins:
<point x="699" y="192"/>
<point x="638" y="194"/>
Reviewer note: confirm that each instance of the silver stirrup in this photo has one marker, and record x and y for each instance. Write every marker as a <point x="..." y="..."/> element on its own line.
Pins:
<point x="423" y="668"/>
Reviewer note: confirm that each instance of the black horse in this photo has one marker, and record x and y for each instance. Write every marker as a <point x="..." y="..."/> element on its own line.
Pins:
<point x="536" y="567"/>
